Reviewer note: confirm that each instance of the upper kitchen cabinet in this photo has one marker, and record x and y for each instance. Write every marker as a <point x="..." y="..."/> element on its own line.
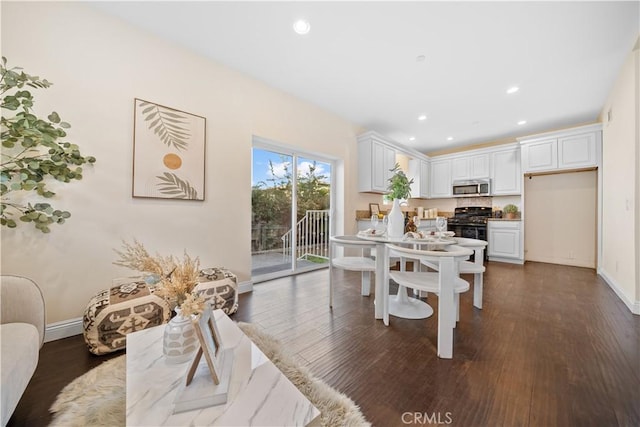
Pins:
<point x="570" y="149"/>
<point x="440" y="185"/>
<point x="577" y="151"/>
<point x="375" y="161"/>
<point x="506" y="177"/>
<point x="470" y="167"/>
<point x="540" y="155"/>
<point x="419" y="172"/>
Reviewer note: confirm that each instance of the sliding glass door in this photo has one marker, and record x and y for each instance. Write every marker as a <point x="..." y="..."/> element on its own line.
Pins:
<point x="291" y="197"/>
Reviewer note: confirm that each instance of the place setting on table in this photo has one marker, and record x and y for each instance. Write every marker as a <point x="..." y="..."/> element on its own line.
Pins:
<point x="400" y="305"/>
<point x="379" y="226"/>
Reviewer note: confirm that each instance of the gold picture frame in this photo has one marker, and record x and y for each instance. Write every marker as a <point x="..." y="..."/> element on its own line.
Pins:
<point x="168" y="153"/>
<point x="209" y="338"/>
<point x="374" y="208"/>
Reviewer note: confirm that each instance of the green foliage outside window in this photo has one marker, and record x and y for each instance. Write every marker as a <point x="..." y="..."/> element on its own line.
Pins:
<point x="271" y="202"/>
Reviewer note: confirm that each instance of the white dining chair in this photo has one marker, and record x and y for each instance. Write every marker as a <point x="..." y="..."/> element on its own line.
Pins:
<point x="362" y="261"/>
<point x="476" y="267"/>
<point x="445" y="282"/>
<point x="463" y="286"/>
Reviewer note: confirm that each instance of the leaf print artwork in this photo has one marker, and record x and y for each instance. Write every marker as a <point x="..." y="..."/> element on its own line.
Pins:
<point x="170" y="126"/>
<point x="176" y="188"/>
<point x="168" y="152"/>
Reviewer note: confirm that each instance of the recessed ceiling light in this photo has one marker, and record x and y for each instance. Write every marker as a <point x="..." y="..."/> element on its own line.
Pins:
<point x="513" y="89"/>
<point x="449" y="138"/>
<point x="301" y="26"/>
<point x="522" y="122"/>
<point x="420" y="58"/>
<point x="412" y="138"/>
<point x="422" y="117"/>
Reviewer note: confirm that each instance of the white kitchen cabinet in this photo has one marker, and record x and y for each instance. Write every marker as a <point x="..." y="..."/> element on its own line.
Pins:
<point x="540" y="155"/>
<point x="506" y="178"/>
<point x="375" y="161"/>
<point x="363" y="224"/>
<point x="470" y="167"/>
<point x="577" y="151"/>
<point x="459" y="168"/>
<point x="505" y="241"/>
<point x="419" y="172"/>
<point x="479" y="166"/>
<point x="569" y="149"/>
<point x="427" y="225"/>
<point x="440" y="185"/>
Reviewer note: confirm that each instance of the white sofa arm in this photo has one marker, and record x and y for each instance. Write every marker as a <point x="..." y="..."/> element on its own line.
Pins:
<point x="21" y="301"/>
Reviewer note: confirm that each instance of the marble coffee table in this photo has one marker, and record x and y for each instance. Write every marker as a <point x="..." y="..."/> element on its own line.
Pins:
<point x="259" y="394"/>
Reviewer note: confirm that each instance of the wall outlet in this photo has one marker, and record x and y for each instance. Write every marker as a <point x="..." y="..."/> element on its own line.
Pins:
<point x="571" y="255"/>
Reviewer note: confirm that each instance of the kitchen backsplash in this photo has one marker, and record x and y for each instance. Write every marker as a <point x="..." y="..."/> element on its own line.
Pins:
<point x="464" y="202"/>
<point x="367" y="215"/>
<point x="445" y="206"/>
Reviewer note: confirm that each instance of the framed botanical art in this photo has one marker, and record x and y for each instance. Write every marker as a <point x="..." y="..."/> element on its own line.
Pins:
<point x="168" y="152"/>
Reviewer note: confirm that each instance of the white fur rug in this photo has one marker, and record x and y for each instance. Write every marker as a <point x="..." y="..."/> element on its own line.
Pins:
<point x="97" y="398"/>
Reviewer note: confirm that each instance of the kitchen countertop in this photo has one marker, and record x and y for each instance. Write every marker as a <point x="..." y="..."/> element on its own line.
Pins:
<point x="423" y="219"/>
<point x="365" y="215"/>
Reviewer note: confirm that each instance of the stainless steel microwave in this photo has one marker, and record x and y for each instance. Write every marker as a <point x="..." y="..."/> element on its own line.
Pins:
<point x="475" y="188"/>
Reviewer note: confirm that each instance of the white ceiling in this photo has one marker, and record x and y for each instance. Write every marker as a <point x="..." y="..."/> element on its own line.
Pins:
<point x="359" y="59"/>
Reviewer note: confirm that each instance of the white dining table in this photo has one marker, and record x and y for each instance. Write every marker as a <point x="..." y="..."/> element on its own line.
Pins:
<point x="399" y="305"/>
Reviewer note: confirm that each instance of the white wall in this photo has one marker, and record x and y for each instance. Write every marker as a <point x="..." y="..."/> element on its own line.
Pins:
<point x="561" y="220"/>
<point x="621" y="184"/>
<point x="98" y="65"/>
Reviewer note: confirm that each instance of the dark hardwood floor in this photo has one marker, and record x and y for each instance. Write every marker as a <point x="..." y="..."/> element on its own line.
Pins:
<point x="553" y="346"/>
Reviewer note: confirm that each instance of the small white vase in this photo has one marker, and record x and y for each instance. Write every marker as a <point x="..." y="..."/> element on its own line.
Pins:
<point x="396" y="220"/>
<point x="179" y="341"/>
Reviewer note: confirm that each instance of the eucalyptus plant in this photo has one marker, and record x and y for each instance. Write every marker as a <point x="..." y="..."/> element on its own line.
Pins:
<point x="399" y="184"/>
<point x="33" y="153"/>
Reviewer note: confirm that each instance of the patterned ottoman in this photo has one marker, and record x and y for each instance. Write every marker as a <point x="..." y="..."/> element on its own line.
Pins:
<point x="219" y="287"/>
<point x="132" y="306"/>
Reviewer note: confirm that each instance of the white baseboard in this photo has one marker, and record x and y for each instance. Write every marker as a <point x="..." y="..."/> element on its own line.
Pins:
<point x="246" y="286"/>
<point x="634" y="307"/>
<point x="64" y="329"/>
<point x="507" y="260"/>
<point x="71" y="327"/>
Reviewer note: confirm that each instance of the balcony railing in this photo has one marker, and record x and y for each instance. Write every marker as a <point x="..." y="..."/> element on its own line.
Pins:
<point x="312" y="237"/>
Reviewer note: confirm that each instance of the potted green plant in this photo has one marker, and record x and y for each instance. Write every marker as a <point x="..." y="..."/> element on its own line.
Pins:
<point x="399" y="184"/>
<point x="399" y="189"/>
<point x="510" y="210"/>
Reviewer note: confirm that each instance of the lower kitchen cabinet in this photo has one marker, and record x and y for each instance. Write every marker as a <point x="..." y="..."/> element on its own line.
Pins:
<point x="505" y="241"/>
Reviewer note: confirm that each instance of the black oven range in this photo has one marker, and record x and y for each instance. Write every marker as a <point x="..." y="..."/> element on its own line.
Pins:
<point x="470" y="222"/>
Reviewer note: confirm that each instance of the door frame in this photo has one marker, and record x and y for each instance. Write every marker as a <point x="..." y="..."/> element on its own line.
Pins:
<point x="295" y="153"/>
